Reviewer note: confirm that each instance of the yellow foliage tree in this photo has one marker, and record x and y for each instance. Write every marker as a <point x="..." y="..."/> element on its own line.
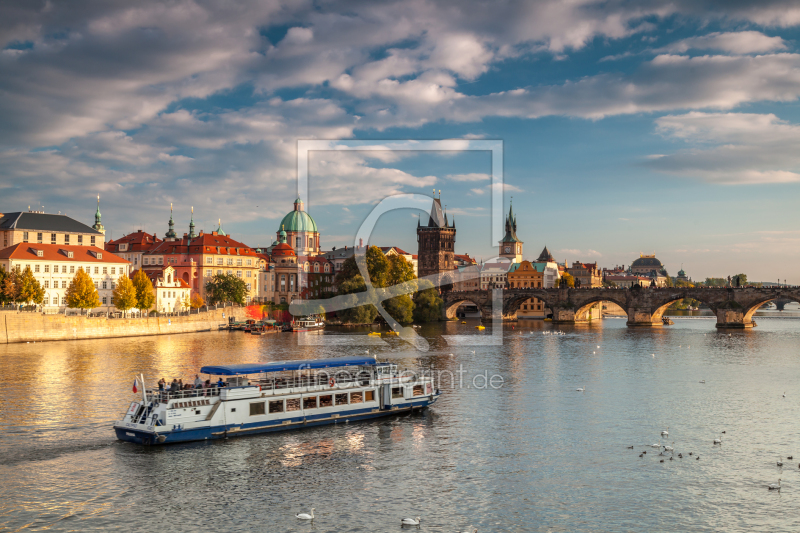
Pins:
<point x="124" y="294"/>
<point x="197" y="301"/>
<point x="145" y="295"/>
<point x="30" y="290"/>
<point x="81" y="293"/>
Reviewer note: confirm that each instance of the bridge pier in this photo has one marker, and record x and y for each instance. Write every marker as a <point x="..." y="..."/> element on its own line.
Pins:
<point x="569" y="316"/>
<point x="733" y="318"/>
<point x="639" y="317"/>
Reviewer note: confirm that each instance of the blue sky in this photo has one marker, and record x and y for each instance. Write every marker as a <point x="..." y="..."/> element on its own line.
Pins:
<point x="628" y="127"/>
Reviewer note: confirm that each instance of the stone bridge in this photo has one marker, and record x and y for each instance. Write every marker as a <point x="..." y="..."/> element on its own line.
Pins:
<point x="734" y="307"/>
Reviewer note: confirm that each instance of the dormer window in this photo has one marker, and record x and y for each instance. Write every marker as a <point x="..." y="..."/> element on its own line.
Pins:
<point x="69" y="254"/>
<point x="39" y="253"/>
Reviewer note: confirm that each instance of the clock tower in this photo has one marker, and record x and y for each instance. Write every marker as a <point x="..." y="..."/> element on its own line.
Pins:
<point x="511" y="246"/>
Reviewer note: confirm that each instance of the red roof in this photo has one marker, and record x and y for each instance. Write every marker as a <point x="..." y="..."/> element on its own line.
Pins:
<point x="138" y="241"/>
<point x="205" y="243"/>
<point x="57" y="252"/>
<point x="155" y="275"/>
<point x="283" y="250"/>
<point x="465" y="257"/>
<point x="386" y="249"/>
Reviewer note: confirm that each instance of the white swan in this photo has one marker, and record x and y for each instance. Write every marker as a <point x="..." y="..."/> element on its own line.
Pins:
<point x="465" y="531"/>
<point x="665" y="433"/>
<point x="780" y="463"/>
<point x="784" y="394"/>
<point x="775" y="486"/>
<point x="581" y="389"/>
<point x="702" y="381"/>
<point x="305" y="516"/>
<point x="410" y="521"/>
<point x="718" y="441"/>
<point x="669" y="448"/>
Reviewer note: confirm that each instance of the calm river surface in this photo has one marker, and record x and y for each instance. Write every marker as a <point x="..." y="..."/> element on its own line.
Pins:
<point x="533" y="455"/>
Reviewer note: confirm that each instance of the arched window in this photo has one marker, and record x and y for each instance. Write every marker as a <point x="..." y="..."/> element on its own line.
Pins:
<point x="326" y="267"/>
<point x="316" y="267"/>
<point x="305" y="266"/>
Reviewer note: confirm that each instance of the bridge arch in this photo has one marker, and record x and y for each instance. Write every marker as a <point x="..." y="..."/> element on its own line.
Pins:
<point x="751" y="308"/>
<point x="673" y="297"/>
<point x="451" y="305"/>
<point x="586" y="304"/>
<point x="514" y="298"/>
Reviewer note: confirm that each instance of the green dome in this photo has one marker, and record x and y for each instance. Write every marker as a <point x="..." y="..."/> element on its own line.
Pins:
<point x="298" y="221"/>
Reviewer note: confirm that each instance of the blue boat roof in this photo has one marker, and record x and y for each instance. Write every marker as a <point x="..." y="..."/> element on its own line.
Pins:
<point x="277" y="366"/>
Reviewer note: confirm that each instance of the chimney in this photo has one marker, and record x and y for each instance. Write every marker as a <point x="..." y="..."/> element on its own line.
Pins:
<point x="360" y="243"/>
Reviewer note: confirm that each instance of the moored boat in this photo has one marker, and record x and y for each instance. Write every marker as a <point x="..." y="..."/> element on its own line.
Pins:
<point x="307" y="324"/>
<point x="277" y="396"/>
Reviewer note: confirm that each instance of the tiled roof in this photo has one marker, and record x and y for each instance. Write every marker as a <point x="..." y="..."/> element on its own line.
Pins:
<point x="44" y="222"/>
<point x="386" y="249"/>
<point x="138" y="241"/>
<point x="205" y="243"/>
<point x="56" y="252"/>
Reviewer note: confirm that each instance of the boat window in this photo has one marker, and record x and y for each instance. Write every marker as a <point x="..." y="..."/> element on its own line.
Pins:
<point x="257" y="408"/>
<point x="397" y="392"/>
<point x="293" y="404"/>
<point x="369" y="395"/>
<point x="418" y="390"/>
<point x="341" y="399"/>
<point x="310" y="402"/>
<point x="276" y="406"/>
<point x="356" y="397"/>
<point x="326" y="401"/>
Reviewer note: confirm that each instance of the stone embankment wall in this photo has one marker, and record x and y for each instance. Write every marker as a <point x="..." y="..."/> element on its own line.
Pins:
<point x="29" y="327"/>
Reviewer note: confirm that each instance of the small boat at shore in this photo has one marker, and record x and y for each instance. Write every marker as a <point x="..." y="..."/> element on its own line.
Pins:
<point x="307" y="324"/>
<point x="277" y="396"/>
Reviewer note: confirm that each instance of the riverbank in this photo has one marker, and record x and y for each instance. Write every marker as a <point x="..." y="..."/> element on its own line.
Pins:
<point x="16" y="327"/>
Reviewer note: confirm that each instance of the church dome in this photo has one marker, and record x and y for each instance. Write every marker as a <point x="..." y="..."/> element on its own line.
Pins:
<point x="283" y="250"/>
<point x="647" y="261"/>
<point x="298" y="220"/>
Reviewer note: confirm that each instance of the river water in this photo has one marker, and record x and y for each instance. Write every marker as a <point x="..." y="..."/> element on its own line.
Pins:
<point x="531" y="455"/>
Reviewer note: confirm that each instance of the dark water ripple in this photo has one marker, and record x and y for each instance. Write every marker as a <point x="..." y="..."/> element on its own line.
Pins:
<point x="533" y="455"/>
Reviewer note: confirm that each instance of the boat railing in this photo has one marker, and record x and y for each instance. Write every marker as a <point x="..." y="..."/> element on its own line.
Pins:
<point x="163" y="396"/>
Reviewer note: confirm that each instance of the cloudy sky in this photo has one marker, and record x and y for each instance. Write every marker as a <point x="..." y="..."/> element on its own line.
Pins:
<point x="628" y="127"/>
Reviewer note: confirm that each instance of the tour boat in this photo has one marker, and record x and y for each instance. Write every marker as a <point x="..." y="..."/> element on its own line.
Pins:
<point x="277" y="396"/>
<point x="307" y="324"/>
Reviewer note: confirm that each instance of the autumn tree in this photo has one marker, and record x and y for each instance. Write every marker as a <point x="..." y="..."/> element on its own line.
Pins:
<point x="427" y="303"/>
<point x="196" y="301"/>
<point x="29" y="289"/>
<point x="8" y="286"/>
<point x="145" y="295"/>
<point x="81" y="293"/>
<point x="124" y="294"/>
<point x="567" y="280"/>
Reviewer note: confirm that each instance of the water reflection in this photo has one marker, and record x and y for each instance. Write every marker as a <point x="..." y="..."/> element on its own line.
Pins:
<point x="533" y="455"/>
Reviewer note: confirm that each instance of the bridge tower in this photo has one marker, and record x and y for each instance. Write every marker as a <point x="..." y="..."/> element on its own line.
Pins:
<point x="511" y="246"/>
<point x="436" y="244"/>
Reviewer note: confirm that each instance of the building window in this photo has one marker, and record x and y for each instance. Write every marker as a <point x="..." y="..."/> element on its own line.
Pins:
<point x="209" y="261"/>
<point x="36" y="268"/>
<point x="219" y="261"/>
<point x="230" y="261"/>
<point x="249" y="274"/>
<point x="238" y="262"/>
<point x="219" y="272"/>
<point x="160" y="260"/>
<point x="114" y="270"/>
<point x="297" y="242"/>
<point x="113" y="286"/>
<point x="63" y="300"/>
<point x="47" y="268"/>
<point x="249" y="286"/>
<point x="63" y="269"/>
<point x="96" y="270"/>
<point x="46" y="301"/>
<point x="80" y="239"/>
<point x="66" y="238"/>
<point x="39" y="237"/>
<point x="96" y="284"/>
<point x="105" y="300"/>
<point x="47" y="284"/>
<point x="24" y="236"/>
<point x="105" y="270"/>
<point x="249" y="262"/>
<point x="63" y="284"/>
<point x="111" y="300"/>
<point x="105" y="285"/>
<point x="238" y="273"/>
<point x="92" y="240"/>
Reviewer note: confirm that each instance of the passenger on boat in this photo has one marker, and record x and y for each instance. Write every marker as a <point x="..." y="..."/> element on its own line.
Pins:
<point x="220" y="383"/>
<point x="174" y="386"/>
<point x="161" y="384"/>
<point x="198" y="383"/>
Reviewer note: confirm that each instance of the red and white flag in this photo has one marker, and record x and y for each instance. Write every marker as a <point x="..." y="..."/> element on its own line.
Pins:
<point x="135" y="382"/>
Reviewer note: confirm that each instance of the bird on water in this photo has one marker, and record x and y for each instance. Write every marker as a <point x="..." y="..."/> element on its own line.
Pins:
<point x="410" y="521"/>
<point x="306" y="516"/>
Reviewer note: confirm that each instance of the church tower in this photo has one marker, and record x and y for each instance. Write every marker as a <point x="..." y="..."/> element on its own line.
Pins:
<point x="436" y="244"/>
<point x="511" y="246"/>
<point x="98" y="225"/>
<point x="171" y="235"/>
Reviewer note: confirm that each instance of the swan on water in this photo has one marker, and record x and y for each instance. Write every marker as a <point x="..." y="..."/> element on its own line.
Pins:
<point x="410" y="521"/>
<point x="775" y="486"/>
<point x="669" y="448"/>
<point x="306" y="516"/>
<point x="581" y="389"/>
<point x="784" y="394"/>
<point x="780" y="463"/>
<point x="665" y="433"/>
<point x="473" y="531"/>
<point x="702" y="381"/>
<point x="718" y="441"/>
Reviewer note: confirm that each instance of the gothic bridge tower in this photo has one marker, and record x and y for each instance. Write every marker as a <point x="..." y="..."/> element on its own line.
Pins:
<point x="436" y="245"/>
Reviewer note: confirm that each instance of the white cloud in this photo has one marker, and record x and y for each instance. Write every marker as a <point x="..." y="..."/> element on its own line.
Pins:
<point x="472" y="176"/>
<point x="741" y="42"/>
<point x="731" y="148"/>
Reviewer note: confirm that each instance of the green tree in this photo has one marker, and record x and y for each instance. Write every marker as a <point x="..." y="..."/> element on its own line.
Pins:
<point x="715" y="282"/>
<point x="427" y="303"/>
<point x="30" y="290"/>
<point x="742" y="278"/>
<point x="81" y="293"/>
<point x="226" y="288"/>
<point x="124" y="294"/>
<point x="401" y="308"/>
<point x="355" y="314"/>
<point x="567" y="279"/>
<point x="378" y="267"/>
<point x="145" y="295"/>
<point x="400" y="270"/>
<point x="669" y="281"/>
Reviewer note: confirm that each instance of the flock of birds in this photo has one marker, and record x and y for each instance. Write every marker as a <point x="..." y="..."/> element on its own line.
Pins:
<point x="670" y="451"/>
<point x="554" y="333"/>
<point x="403" y="521"/>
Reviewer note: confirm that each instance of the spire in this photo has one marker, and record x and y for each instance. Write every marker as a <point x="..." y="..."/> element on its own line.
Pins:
<point x="298" y="204"/>
<point x="171" y="235"/>
<point x="511" y="227"/>
<point x="98" y="225"/>
<point x="282" y="236"/>
<point x="220" y="231"/>
<point x="192" y="234"/>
